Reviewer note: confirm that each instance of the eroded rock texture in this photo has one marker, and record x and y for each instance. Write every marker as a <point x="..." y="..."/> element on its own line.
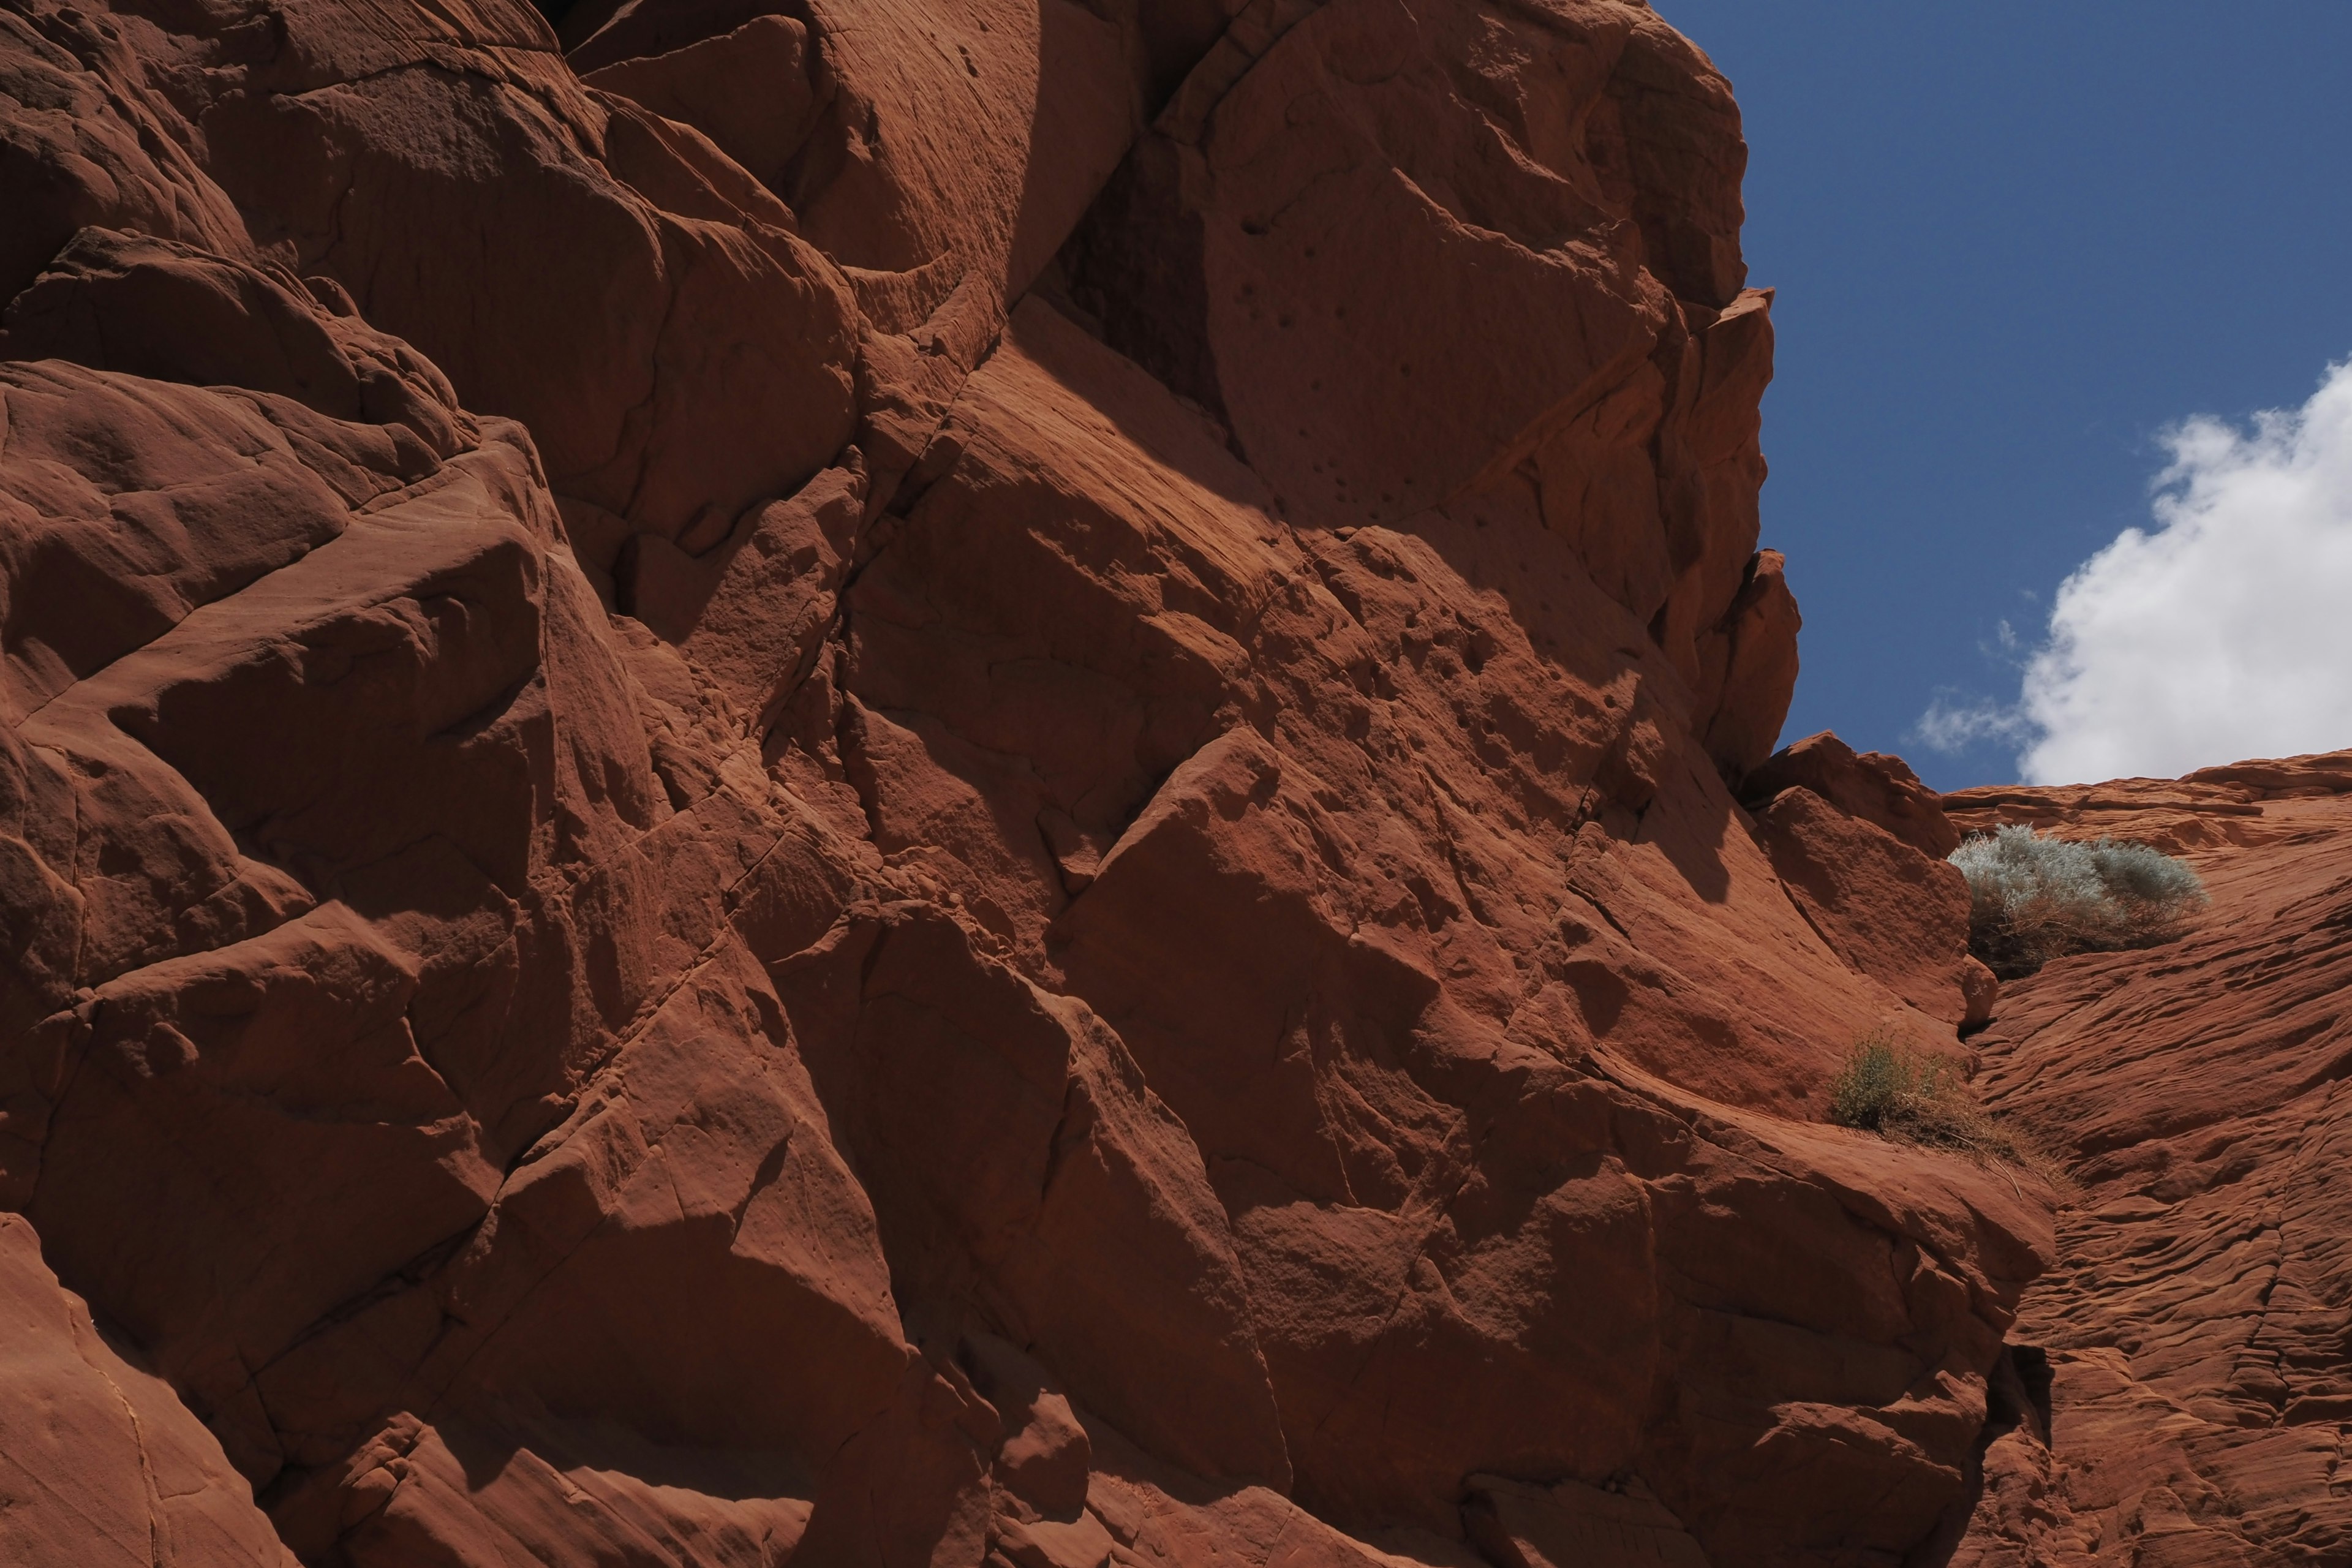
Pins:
<point x="2187" y="1395"/>
<point x="874" y="784"/>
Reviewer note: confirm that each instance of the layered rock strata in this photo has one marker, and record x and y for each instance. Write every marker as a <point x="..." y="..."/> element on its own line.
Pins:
<point x="841" y="784"/>
<point x="2183" y="1390"/>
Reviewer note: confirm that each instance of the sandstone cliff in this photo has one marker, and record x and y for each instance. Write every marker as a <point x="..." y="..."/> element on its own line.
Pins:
<point x="862" y="783"/>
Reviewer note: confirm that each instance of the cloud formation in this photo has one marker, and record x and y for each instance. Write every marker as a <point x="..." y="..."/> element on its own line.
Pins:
<point x="2223" y="633"/>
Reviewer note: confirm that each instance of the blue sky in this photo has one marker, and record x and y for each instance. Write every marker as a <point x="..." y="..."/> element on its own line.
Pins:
<point x="2014" y="245"/>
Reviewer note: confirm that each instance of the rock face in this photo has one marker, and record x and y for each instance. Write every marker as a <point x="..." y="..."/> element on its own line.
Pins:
<point x="843" y="784"/>
<point x="99" y="1462"/>
<point x="2187" y="1389"/>
<point x="1861" y="845"/>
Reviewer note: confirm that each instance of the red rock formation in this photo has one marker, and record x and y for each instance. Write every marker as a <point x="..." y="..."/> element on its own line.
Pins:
<point x="1861" y="845"/>
<point x="2187" y="1383"/>
<point x="99" y="1462"/>
<point x="1872" y="787"/>
<point x="906" y="789"/>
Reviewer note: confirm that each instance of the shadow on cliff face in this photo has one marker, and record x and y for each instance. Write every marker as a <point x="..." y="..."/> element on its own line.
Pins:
<point x="1085" y="96"/>
<point x="1368" y="337"/>
<point x="484" y="1454"/>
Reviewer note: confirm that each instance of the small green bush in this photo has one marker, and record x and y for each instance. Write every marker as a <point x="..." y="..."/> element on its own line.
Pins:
<point x="1897" y="1093"/>
<point x="2032" y="898"/>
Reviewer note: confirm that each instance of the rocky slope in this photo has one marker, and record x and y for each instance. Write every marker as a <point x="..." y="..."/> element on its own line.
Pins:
<point x="848" y="782"/>
<point x="2187" y="1385"/>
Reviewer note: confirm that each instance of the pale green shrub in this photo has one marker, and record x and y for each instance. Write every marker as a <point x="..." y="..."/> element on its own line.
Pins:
<point x="2032" y="898"/>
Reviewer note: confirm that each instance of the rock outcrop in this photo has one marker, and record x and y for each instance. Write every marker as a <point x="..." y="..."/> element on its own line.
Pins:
<point x="2181" y="1388"/>
<point x="1862" y="846"/>
<point x="843" y="784"/>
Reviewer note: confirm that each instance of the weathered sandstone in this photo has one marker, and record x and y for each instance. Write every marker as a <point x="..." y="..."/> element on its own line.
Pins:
<point x="2185" y="1387"/>
<point x="866" y="785"/>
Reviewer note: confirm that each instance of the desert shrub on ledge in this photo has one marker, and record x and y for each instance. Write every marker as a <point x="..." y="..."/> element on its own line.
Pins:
<point x="2032" y="898"/>
<point x="1899" y="1093"/>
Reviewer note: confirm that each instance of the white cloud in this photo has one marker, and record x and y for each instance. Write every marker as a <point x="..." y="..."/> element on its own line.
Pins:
<point x="1953" y="725"/>
<point x="2223" y="633"/>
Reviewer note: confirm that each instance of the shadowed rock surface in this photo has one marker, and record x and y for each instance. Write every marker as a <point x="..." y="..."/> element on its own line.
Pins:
<point x="857" y="784"/>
